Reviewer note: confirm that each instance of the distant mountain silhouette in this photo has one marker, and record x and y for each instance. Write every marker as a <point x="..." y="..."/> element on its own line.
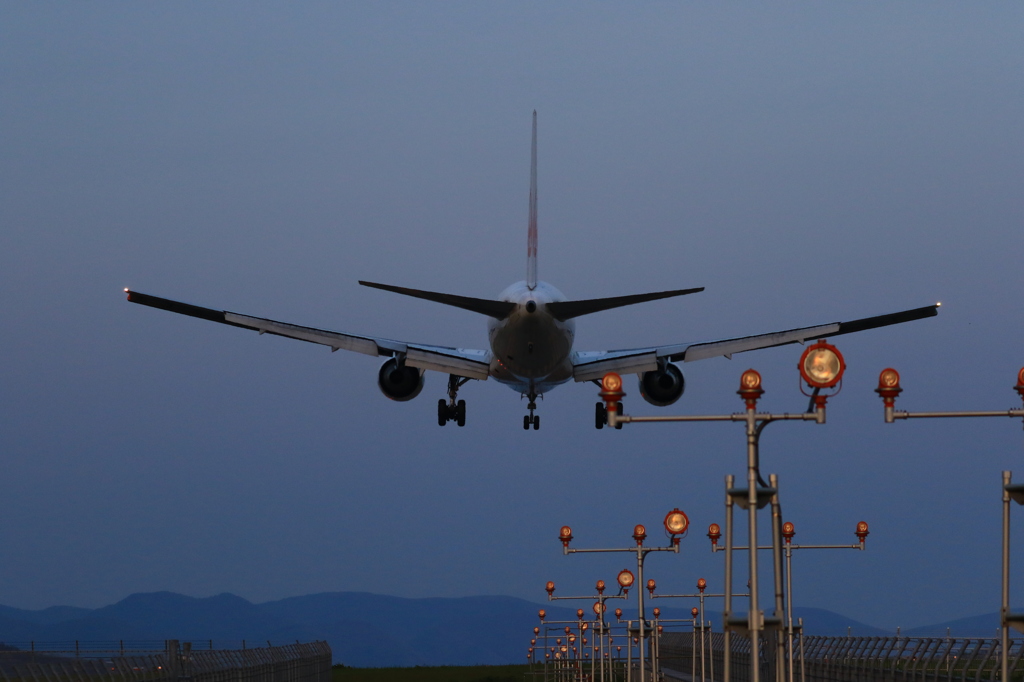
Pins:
<point x="367" y="630"/>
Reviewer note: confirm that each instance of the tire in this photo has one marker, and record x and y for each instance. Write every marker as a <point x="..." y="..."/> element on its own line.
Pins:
<point x="536" y="422"/>
<point x="600" y="415"/>
<point x="442" y="412"/>
<point x="460" y="413"/>
<point x="526" y="422"/>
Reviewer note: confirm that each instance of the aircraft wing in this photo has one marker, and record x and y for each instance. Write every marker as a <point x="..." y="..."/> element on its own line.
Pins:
<point x="591" y="365"/>
<point x="472" y="364"/>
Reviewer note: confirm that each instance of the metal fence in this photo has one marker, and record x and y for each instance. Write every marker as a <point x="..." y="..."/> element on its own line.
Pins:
<point x="851" y="659"/>
<point x="168" y="660"/>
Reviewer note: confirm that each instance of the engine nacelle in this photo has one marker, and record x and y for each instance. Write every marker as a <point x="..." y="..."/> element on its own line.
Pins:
<point x="399" y="383"/>
<point x="662" y="387"/>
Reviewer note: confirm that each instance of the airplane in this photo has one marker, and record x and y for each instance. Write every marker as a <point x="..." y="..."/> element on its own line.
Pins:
<point x="530" y="329"/>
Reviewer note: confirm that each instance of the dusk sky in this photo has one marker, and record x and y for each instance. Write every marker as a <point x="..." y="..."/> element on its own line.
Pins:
<point x="805" y="162"/>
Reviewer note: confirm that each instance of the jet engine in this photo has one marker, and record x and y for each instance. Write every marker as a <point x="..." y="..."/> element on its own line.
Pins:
<point x="662" y="387"/>
<point x="399" y="382"/>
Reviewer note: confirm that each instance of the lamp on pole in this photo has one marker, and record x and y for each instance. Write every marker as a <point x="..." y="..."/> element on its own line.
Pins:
<point x="888" y="389"/>
<point x="599" y="610"/>
<point x="676" y="524"/>
<point x="821" y="366"/>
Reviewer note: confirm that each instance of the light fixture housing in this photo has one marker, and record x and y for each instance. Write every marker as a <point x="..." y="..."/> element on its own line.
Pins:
<point x="565" y="535"/>
<point x="788" y="531"/>
<point x="550" y="588"/>
<point x="714" y="532"/>
<point x="625" y="578"/>
<point x="639" y="534"/>
<point x="750" y="388"/>
<point x="677" y="523"/>
<point x="822" y="365"/>
<point x="702" y="585"/>
<point x="862" y="531"/>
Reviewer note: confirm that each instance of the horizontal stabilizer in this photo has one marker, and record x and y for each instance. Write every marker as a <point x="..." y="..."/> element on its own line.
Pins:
<point x="496" y="309"/>
<point x="564" y="310"/>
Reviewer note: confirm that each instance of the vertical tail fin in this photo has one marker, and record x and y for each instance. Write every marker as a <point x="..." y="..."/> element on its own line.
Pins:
<point x="531" y="239"/>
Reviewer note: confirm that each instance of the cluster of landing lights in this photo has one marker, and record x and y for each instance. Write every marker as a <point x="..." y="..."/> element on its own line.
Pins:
<point x="821" y="365"/>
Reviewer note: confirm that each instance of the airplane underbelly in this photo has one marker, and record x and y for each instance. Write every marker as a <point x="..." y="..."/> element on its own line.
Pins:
<point x="531" y="351"/>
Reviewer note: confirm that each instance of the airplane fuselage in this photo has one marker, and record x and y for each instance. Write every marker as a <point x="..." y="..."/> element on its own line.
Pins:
<point x="531" y="349"/>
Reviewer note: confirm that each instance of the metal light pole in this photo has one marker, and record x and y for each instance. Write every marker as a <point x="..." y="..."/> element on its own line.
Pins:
<point x="599" y="609"/>
<point x="788" y="531"/>
<point x="821" y="367"/>
<point x="698" y="614"/>
<point x="889" y="388"/>
<point x="676" y="524"/>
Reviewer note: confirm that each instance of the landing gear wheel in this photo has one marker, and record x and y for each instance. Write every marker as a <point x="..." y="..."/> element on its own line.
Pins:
<point x="442" y="412"/>
<point x="536" y="422"/>
<point x="600" y="415"/>
<point x="526" y="422"/>
<point x="618" y="425"/>
<point x="460" y="413"/>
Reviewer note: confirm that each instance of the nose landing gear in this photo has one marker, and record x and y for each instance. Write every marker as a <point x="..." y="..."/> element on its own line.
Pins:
<point x="452" y="410"/>
<point x="531" y="419"/>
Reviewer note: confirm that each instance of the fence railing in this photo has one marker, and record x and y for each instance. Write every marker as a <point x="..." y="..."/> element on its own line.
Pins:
<point x="172" y="661"/>
<point x="852" y="659"/>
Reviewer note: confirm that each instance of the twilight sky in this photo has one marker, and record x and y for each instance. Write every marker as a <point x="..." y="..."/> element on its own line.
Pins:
<point x="805" y="162"/>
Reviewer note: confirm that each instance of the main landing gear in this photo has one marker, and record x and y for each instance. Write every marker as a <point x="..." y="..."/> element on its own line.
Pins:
<point x="451" y="410"/>
<point x="531" y="419"/>
<point x="601" y="415"/>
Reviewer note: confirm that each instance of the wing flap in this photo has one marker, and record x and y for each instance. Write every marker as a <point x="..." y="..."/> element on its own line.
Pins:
<point x="591" y="366"/>
<point x="472" y="364"/>
<point x="336" y="340"/>
<point x="713" y="349"/>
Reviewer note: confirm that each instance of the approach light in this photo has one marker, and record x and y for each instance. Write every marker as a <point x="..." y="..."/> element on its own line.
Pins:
<point x="822" y="365"/>
<point x="625" y="578"/>
<point x="584" y="628"/>
<point x="618" y="614"/>
<point x="889" y="384"/>
<point x="611" y="390"/>
<point x="579" y="614"/>
<point x="536" y="630"/>
<point x="657" y="612"/>
<point x="694" y="611"/>
<point x="550" y="588"/>
<point x="702" y="585"/>
<point x="542" y="613"/>
<point x="788" y="531"/>
<point x="651" y="585"/>
<point x="600" y="586"/>
<point x="565" y="535"/>
<point x="889" y="388"/>
<point x="639" y="533"/>
<point x="1020" y="383"/>
<point x="750" y="388"/>
<point x="714" y="532"/>
<point x="661" y="629"/>
<point x="676" y="523"/>
<point x="862" y="532"/>
<point x="599" y="608"/>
